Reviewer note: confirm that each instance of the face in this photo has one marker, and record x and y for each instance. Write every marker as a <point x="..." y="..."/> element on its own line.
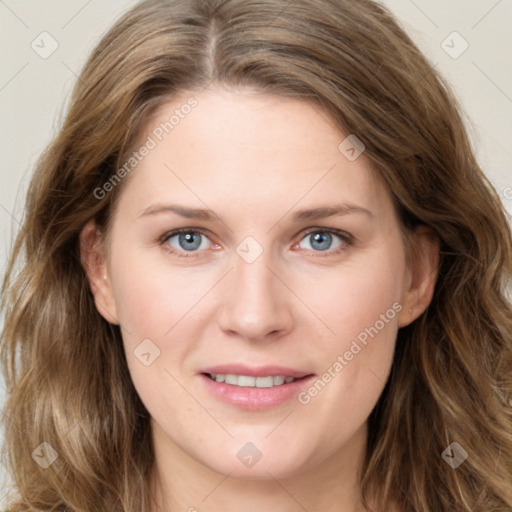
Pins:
<point x="290" y="264"/>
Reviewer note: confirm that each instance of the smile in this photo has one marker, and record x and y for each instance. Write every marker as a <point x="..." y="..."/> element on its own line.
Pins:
<point x="255" y="392"/>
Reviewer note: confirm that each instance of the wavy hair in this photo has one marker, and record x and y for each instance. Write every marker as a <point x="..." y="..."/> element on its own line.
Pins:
<point x="66" y="374"/>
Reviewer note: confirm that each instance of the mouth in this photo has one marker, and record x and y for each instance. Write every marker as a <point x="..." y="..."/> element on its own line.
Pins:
<point x="250" y="388"/>
<point x="248" y="381"/>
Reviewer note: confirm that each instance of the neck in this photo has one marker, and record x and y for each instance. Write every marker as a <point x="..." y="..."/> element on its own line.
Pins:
<point x="182" y="483"/>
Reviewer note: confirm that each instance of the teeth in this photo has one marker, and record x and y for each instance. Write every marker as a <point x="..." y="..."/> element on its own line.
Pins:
<point x="246" y="381"/>
<point x="243" y="381"/>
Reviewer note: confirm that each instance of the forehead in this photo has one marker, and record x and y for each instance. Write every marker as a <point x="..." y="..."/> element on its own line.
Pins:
<point x="247" y="150"/>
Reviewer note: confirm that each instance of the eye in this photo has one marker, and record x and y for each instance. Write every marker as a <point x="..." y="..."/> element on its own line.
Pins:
<point x="321" y="240"/>
<point x="185" y="240"/>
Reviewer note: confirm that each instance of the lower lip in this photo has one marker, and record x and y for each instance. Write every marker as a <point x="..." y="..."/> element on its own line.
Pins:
<point x="250" y="398"/>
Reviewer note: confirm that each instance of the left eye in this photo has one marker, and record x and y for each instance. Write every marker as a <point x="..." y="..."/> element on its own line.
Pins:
<point x="320" y="240"/>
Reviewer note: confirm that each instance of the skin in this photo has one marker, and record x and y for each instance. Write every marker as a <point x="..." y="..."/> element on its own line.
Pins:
<point x="255" y="159"/>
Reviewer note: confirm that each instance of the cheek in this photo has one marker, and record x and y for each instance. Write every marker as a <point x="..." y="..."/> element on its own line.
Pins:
<point x="155" y="307"/>
<point x="360" y="304"/>
<point x="359" y="308"/>
<point x="356" y="296"/>
<point x="152" y="297"/>
<point x="160" y="309"/>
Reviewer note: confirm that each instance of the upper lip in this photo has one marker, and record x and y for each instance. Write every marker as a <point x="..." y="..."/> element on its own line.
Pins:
<point x="259" y="371"/>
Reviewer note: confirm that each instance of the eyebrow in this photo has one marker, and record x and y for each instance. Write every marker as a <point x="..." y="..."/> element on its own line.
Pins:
<point x="208" y="215"/>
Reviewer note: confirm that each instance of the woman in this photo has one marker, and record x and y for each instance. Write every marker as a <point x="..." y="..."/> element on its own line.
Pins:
<point x="261" y="269"/>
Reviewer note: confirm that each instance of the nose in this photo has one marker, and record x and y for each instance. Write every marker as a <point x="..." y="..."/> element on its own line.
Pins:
<point x="256" y="304"/>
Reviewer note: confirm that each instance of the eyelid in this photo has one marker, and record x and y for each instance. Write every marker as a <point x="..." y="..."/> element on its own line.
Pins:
<point x="338" y="232"/>
<point x="177" y="231"/>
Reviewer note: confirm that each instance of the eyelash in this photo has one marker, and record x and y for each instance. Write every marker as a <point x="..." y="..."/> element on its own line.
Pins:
<point x="346" y="238"/>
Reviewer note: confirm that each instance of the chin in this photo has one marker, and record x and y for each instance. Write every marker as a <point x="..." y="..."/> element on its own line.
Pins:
<point x="260" y="471"/>
<point x="248" y="462"/>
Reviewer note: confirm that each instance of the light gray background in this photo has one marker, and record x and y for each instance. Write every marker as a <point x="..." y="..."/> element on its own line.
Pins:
<point x="34" y="90"/>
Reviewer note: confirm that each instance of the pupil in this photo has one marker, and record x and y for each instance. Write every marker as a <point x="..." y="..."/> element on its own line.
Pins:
<point x="318" y="238"/>
<point x="192" y="241"/>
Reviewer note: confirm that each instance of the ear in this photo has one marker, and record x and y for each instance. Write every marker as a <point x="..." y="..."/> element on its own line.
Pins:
<point x="94" y="262"/>
<point x="423" y="267"/>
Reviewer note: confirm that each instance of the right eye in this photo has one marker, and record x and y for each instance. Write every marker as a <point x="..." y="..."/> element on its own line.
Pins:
<point x="185" y="240"/>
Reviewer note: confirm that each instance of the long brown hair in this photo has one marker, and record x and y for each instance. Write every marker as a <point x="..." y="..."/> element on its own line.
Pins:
<point x="65" y="369"/>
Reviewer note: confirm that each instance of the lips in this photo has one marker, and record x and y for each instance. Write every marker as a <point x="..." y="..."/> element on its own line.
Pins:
<point x="254" y="388"/>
